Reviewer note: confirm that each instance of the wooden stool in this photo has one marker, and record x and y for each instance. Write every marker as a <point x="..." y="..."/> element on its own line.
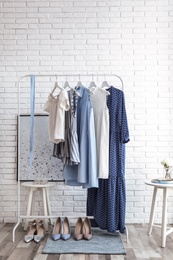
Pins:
<point x="164" y="229"/>
<point x="33" y="187"/>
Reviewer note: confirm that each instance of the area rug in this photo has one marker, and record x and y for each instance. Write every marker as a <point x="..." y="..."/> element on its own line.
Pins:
<point x="102" y="242"/>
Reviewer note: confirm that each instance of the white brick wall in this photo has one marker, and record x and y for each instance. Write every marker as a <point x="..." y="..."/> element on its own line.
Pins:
<point x="130" y="38"/>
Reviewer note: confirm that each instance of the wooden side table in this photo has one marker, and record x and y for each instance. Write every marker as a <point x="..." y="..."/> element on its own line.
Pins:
<point x="31" y="200"/>
<point x="164" y="229"/>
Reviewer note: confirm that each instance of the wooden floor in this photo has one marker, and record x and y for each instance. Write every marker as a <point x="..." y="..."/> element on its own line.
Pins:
<point x="140" y="246"/>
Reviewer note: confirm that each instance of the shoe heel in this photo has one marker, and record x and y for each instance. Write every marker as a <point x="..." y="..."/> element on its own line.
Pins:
<point x="32" y="230"/>
<point x="66" y="233"/>
<point x="56" y="233"/>
<point x="40" y="232"/>
<point x="87" y="234"/>
<point x="78" y="235"/>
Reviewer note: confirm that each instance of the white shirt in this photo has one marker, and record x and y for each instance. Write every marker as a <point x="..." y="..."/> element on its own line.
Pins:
<point x="56" y="107"/>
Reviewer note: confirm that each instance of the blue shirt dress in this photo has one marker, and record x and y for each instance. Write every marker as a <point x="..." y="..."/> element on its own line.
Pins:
<point x="84" y="174"/>
<point x="107" y="203"/>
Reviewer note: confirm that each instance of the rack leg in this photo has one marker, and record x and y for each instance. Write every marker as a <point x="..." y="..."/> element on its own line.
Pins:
<point x="14" y="230"/>
<point x="127" y="234"/>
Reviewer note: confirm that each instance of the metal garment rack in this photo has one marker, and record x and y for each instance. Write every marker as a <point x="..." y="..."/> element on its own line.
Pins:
<point x="19" y="216"/>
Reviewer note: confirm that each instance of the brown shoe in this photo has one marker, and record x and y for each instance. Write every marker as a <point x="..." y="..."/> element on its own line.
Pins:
<point x="86" y="229"/>
<point x="78" y="235"/>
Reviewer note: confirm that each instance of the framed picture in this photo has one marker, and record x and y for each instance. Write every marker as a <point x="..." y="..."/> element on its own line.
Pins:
<point x="44" y="165"/>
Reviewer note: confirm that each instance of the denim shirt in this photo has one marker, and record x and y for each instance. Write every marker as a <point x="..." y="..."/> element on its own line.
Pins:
<point x="85" y="173"/>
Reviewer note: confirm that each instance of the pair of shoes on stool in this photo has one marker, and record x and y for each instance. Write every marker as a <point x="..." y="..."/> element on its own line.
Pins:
<point x="36" y="231"/>
<point x="83" y="229"/>
<point x="61" y="229"/>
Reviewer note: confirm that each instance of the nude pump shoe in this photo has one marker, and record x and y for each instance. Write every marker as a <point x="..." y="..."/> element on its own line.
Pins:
<point x="78" y="235"/>
<point x="86" y="229"/>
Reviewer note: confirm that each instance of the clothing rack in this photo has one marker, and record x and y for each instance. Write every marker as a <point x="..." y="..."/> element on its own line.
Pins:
<point x="19" y="216"/>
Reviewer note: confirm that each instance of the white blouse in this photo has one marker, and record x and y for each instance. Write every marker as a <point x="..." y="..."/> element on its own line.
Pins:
<point x="56" y="107"/>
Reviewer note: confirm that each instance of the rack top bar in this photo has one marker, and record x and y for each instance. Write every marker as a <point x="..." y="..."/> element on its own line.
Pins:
<point x="70" y="75"/>
<point x="75" y="75"/>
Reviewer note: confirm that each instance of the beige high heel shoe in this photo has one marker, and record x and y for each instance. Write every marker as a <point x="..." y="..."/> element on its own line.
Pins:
<point x="78" y="235"/>
<point x="40" y="231"/>
<point x="86" y="229"/>
<point x="32" y="231"/>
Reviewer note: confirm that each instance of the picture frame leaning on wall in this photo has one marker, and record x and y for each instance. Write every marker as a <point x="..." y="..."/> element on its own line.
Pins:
<point x="44" y="167"/>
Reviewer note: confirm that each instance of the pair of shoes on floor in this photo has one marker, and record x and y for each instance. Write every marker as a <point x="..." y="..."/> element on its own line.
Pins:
<point x="61" y="229"/>
<point x="83" y="229"/>
<point x="36" y="231"/>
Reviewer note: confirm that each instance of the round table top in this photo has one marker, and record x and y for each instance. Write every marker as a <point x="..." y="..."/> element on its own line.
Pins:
<point x="161" y="185"/>
<point x="31" y="184"/>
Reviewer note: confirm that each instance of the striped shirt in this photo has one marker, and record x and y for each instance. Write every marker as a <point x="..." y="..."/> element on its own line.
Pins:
<point x="68" y="151"/>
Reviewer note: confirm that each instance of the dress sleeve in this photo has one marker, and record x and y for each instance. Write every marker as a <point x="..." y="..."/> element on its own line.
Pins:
<point x="124" y="124"/>
<point x="64" y="100"/>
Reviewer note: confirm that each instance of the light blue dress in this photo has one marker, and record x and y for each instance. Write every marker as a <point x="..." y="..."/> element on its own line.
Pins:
<point x="84" y="174"/>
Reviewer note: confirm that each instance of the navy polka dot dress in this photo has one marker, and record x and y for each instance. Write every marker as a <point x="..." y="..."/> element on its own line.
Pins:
<point x="108" y="202"/>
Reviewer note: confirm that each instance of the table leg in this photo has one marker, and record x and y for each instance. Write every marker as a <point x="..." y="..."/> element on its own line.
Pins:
<point x="153" y="205"/>
<point x="48" y="204"/>
<point x="29" y="207"/>
<point x="164" y="216"/>
<point x="45" y="209"/>
<point x="33" y="201"/>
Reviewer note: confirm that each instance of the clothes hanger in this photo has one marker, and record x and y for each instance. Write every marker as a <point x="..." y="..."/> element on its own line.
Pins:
<point x="92" y="83"/>
<point x="66" y="84"/>
<point x="79" y="84"/>
<point x="56" y="86"/>
<point x="105" y="84"/>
